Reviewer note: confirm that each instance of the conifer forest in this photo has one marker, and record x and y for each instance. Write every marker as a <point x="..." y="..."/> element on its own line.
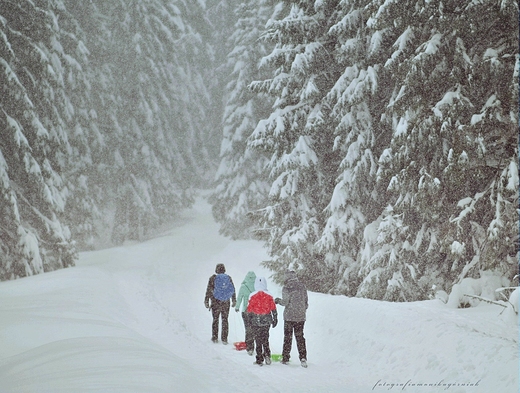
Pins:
<point x="371" y="145"/>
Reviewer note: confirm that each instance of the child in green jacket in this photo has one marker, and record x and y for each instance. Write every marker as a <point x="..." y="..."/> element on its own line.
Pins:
<point x="247" y="287"/>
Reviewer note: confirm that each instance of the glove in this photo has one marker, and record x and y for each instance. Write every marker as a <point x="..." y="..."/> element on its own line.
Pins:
<point x="236" y="309"/>
<point x="275" y="322"/>
<point x="233" y="304"/>
<point x="277" y="300"/>
<point x="206" y="305"/>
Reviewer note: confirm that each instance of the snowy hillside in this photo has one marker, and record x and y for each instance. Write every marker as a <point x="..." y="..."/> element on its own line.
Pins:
<point x="132" y="319"/>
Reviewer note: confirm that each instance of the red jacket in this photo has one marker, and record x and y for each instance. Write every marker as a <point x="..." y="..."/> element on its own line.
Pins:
<point x="261" y="303"/>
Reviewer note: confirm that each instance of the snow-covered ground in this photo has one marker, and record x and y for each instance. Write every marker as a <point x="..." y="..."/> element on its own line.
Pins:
<point x="132" y="319"/>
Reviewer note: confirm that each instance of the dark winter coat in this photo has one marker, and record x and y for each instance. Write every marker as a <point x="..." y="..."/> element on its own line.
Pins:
<point x="209" y="293"/>
<point x="294" y="298"/>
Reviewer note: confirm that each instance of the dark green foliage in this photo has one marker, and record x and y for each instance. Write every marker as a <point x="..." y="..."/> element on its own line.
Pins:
<point x="33" y="142"/>
<point x="392" y="144"/>
<point x="242" y="185"/>
<point x="102" y="114"/>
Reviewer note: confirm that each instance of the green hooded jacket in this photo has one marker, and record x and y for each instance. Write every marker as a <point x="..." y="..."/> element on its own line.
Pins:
<point x="247" y="287"/>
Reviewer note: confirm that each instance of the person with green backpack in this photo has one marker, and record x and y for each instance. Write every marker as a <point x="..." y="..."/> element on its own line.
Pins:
<point x="247" y="287"/>
<point x="221" y="292"/>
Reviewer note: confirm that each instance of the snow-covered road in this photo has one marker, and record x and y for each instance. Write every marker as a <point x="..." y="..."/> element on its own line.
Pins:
<point x="132" y="319"/>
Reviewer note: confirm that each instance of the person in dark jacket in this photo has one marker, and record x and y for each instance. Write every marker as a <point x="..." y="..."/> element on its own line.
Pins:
<point x="263" y="309"/>
<point x="219" y="308"/>
<point x="295" y="300"/>
<point x="247" y="287"/>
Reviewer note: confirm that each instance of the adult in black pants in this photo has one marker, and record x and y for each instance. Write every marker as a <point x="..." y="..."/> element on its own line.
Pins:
<point x="295" y="300"/>
<point x="219" y="308"/>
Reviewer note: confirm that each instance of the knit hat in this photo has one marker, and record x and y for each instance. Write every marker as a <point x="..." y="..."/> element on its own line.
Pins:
<point x="220" y="268"/>
<point x="290" y="275"/>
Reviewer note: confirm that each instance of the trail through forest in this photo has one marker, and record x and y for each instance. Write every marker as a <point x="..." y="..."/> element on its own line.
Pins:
<point x="132" y="319"/>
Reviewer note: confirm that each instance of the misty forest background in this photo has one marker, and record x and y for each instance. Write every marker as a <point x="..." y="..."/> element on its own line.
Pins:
<point x="371" y="144"/>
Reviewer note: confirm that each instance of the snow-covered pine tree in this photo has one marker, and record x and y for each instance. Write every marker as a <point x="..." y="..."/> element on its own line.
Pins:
<point x="79" y="122"/>
<point x="221" y="18"/>
<point x="298" y="139"/>
<point x="488" y="224"/>
<point x="357" y="100"/>
<point x="241" y="178"/>
<point x="33" y="143"/>
<point x="451" y="166"/>
<point x="196" y="103"/>
<point x="153" y="165"/>
<point x="144" y="92"/>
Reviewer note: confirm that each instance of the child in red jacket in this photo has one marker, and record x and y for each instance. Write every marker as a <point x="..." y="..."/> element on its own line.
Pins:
<point x="263" y="314"/>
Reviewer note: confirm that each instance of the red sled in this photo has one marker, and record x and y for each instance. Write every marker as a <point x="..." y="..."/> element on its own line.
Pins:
<point x="240" y="345"/>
